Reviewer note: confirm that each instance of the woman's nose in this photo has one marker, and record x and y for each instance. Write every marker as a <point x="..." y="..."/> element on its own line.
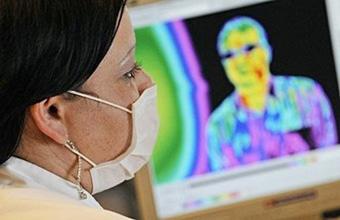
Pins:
<point x="143" y="81"/>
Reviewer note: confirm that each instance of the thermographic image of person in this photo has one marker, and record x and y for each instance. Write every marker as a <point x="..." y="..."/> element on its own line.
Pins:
<point x="267" y="116"/>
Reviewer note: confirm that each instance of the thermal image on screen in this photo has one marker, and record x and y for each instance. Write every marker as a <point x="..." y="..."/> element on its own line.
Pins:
<point x="266" y="116"/>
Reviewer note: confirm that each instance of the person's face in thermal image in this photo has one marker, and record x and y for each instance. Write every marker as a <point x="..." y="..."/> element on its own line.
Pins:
<point x="246" y="61"/>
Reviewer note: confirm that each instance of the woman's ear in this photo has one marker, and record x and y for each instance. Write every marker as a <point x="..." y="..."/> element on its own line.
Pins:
<point x="49" y="117"/>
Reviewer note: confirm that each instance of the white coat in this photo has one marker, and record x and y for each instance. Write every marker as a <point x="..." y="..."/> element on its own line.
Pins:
<point x="30" y="192"/>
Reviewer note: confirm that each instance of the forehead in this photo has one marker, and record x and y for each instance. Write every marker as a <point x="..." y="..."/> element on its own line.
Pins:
<point x="124" y="40"/>
<point x="238" y="38"/>
<point x="118" y="52"/>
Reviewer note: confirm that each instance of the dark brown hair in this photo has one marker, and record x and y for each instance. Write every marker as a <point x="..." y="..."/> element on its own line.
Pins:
<point x="48" y="47"/>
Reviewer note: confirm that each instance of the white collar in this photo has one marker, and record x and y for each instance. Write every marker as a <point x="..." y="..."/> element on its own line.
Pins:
<point x="20" y="172"/>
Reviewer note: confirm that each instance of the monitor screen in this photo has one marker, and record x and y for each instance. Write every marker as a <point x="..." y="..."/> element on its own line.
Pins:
<point x="248" y="97"/>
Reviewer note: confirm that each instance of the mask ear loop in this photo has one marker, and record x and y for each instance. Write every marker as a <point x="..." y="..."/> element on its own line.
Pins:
<point x="99" y="100"/>
<point x="69" y="144"/>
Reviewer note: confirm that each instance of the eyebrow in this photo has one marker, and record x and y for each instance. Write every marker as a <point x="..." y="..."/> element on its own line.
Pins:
<point x="123" y="61"/>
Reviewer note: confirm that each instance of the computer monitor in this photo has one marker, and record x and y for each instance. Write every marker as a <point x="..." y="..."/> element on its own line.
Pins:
<point x="248" y="96"/>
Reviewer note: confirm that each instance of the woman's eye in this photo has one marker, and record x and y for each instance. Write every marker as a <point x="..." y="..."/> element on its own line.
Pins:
<point x="132" y="73"/>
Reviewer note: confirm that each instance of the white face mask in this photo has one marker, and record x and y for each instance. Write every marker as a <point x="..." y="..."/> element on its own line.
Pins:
<point x="145" y="125"/>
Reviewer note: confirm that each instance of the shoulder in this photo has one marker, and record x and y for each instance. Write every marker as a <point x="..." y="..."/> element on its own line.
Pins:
<point x="227" y="108"/>
<point x="300" y="84"/>
<point x="27" y="203"/>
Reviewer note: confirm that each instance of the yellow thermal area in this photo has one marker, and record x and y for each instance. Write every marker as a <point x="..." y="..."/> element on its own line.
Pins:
<point x="248" y="71"/>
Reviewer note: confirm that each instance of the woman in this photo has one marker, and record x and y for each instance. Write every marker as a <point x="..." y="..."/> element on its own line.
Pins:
<point x="77" y="115"/>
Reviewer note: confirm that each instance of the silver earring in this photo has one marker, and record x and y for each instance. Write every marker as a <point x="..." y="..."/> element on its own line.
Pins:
<point x="82" y="195"/>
